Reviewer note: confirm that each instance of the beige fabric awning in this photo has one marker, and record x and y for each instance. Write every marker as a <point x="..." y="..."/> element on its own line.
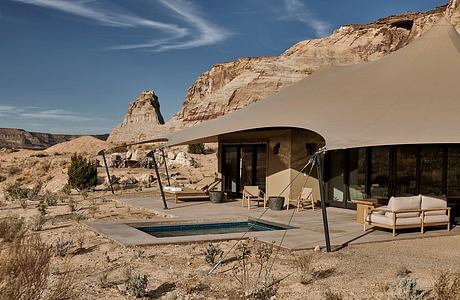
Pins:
<point x="411" y="96"/>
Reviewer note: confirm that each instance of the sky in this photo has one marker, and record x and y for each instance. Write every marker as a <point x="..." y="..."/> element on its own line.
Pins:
<point x="73" y="66"/>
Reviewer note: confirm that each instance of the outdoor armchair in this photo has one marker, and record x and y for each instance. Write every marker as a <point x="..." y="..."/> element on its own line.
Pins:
<point x="253" y="193"/>
<point x="304" y="199"/>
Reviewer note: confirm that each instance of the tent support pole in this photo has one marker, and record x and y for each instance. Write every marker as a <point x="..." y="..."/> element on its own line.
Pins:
<point x="166" y="165"/>
<point x="323" y="202"/>
<point x="107" y="171"/>
<point x="165" y="206"/>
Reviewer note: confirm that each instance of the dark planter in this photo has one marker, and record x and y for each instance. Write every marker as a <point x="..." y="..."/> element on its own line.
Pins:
<point x="216" y="196"/>
<point x="276" y="203"/>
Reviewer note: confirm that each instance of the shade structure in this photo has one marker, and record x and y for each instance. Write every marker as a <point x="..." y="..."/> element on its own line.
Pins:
<point x="411" y="96"/>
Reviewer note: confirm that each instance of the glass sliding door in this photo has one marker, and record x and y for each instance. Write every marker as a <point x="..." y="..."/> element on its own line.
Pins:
<point x="243" y="165"/>
<point x="431" y="170"/>
<point x="380" y="172"/>
<point x="453" y="172"/>
<point x="357" y="174"/>
<point x="406" y="171"/>
<point x="335" y="183"/>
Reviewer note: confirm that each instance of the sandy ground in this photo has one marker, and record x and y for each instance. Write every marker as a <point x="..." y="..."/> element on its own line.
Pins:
<point x="180" y="272"/>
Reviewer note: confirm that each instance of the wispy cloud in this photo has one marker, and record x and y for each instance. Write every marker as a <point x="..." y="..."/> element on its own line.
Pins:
<point x="30" y="112"/>
<point x="193" y="31"/>
<point x="295" y="10"/>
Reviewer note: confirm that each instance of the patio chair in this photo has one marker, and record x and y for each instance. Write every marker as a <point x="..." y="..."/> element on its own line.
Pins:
<point x="201" y="190"/>
<point x="253" y="193"/>
<point x="305" y="199"/>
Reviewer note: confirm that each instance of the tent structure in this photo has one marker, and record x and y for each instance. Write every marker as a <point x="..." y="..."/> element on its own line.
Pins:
<point x="408" y="97"/>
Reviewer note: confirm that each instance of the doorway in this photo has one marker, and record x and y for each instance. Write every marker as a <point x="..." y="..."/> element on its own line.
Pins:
<point x="243" y="165"/>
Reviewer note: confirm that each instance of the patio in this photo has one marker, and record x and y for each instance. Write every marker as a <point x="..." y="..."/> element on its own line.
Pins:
<point x="306" y="234"/>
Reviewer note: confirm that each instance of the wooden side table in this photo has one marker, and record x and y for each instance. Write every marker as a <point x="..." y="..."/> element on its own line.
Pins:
<point x="362" y="207"/>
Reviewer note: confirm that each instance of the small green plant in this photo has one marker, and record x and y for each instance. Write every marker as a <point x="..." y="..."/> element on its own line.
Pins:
<point x="12" y="228"/>
<point x="71" y="205"/>
<point x="213" y="253"/>
<point x="37" y="222"/>
<point x="446" y="286"/>
<point x="16" y="191"/>
<point x="196" y="148"/>
<point x="136" y="285"/>
<point x="62" y="247"/>
<point x="330" y="295"/>
<point x="81" y="172"/>
<point x="267" y="291"/>
<point x="42" y="208"/>
<point x="406" y="289"/>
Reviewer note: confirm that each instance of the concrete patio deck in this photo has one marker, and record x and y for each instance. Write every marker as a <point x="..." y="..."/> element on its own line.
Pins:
<point x="307" y="234"/>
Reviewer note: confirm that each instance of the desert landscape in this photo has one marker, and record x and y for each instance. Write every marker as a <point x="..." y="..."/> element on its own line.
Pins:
<point x="48" y="250"/>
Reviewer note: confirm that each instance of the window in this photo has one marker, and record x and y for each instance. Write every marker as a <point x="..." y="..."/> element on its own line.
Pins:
<point x="406" y="171"/>
<point x="357" y="175"/>
<point x="453" y="171"/>
<point x="380" y="171"/>
<point x="431" y="164"/>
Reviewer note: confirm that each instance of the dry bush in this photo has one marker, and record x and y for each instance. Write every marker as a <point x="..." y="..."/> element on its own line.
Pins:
<point x="446" y="286"/>
<point x="330" y="295"/>
<point x="12" y="228"/>
<point x="2" y="178"/>
<point x="14" y="170"/>
<point x="253" y="270"/>
<point x="25" y="273"/>
<point x="62" y="247"/>
<point x="304" y="268"/>
<point x="36" y="222"/>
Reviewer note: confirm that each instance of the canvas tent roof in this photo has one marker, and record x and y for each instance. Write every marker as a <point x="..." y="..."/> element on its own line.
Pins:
<point x="408" y="97"/>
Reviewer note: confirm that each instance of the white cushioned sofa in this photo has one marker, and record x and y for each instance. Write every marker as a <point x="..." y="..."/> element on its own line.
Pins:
<point x="409" y="212"/>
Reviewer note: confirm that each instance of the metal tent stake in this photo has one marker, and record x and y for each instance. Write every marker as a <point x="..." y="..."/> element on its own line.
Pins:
<point x="107" y="170"/>
<point x="323" y="202"/>
<point x="165" y="206"/>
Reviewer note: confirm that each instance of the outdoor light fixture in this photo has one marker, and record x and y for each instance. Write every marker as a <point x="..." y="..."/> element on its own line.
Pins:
<point x="276" y="148"/>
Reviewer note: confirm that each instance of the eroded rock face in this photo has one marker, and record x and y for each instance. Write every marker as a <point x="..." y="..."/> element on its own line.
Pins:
<point x="230" y="86"/>
<point x="142" y="120"/>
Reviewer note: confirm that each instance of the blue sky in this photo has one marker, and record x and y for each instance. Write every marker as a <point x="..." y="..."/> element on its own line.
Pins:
<point x="73" y="66"/>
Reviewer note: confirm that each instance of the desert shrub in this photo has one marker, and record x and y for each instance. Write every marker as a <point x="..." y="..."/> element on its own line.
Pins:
<point x="196" y="148"/>
<point x="66" y="189"/>
<point x="42" y="208"/>
<point x="304" y="268"/>
<point x="104" y="280"/>
<point x="330" y="295"/>
<point x="82" y="173"/>
<point x="406" y="289"/>
<point x="253" y="269"/>
<point x="71" y="204"/>
<point x="62" y="247"/>
<point x="212" y="253"/>
<point x="25" y="272"/>
<point x="37" y="222"/>
<point x="16" y="191"/>
<point x="2" y="178"/>
<point x="50" y="198"/>
<point x="446" y="286"/>
<point x="136" y="285"/>
<point x="39" y="154"/>
<point x="12" y="228"/>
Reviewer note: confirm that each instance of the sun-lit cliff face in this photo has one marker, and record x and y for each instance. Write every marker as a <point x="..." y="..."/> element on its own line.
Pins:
<point x="230" y="86"/>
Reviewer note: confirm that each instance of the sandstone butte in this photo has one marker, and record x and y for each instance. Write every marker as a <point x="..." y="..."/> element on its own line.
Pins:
<point x="230" y="86"/>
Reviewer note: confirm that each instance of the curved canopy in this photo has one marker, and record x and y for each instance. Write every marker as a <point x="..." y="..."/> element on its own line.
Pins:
<point x="411" y="96"/>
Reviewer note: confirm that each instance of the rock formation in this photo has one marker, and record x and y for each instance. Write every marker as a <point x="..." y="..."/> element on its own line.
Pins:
<point x="21" y="139"/>
<point x="142" y="120"/>
<point x="230" y="86"/>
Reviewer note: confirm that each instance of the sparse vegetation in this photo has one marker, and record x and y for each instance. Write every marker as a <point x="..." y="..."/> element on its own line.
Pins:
<point x="213" y="253"/>
<point x="196" y="148"/>
<point x="304" y="268"/>
<point x="330" y="295"/>
<point x="62" y="246"/>
<point x="446" y="286"/>
<point x="37" y="222"/>
<point x="82" y="173"/>
<point x="136" y="285"/>
<point x="12" y="228"/>
<point x="406" y="289"/>
<point x="25" y="273"/>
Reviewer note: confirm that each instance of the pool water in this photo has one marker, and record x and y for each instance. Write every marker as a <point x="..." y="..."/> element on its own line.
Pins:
<point x="207" y="228"/>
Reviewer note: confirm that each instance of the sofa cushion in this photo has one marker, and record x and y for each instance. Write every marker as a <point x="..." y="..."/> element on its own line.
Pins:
<point x="382" y="219"/>
<point x="380" y="212"/>
<point x="404" y="203"/>
<point x="436" y="219"/>
<point x="433" y="202"/>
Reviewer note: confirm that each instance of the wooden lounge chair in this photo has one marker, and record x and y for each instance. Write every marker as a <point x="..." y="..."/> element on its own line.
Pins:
<point x="202" y="189"/>
<point x="305" y="199"/>
<point x="253" y="193"/>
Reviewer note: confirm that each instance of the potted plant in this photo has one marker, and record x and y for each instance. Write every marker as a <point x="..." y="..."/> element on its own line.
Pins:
<point x="216" y="196"/>
<point x="276" y="203"/>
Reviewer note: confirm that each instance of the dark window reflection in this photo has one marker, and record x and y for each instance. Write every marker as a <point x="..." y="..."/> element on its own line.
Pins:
<point x="431" y="161"/>
<point x="406" y="171"/>
<point x="380" y="170"/>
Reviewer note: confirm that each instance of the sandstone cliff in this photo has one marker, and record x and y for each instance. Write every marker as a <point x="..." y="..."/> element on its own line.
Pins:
<point x="230" y="86"/>
<point x="141" y="121"/>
